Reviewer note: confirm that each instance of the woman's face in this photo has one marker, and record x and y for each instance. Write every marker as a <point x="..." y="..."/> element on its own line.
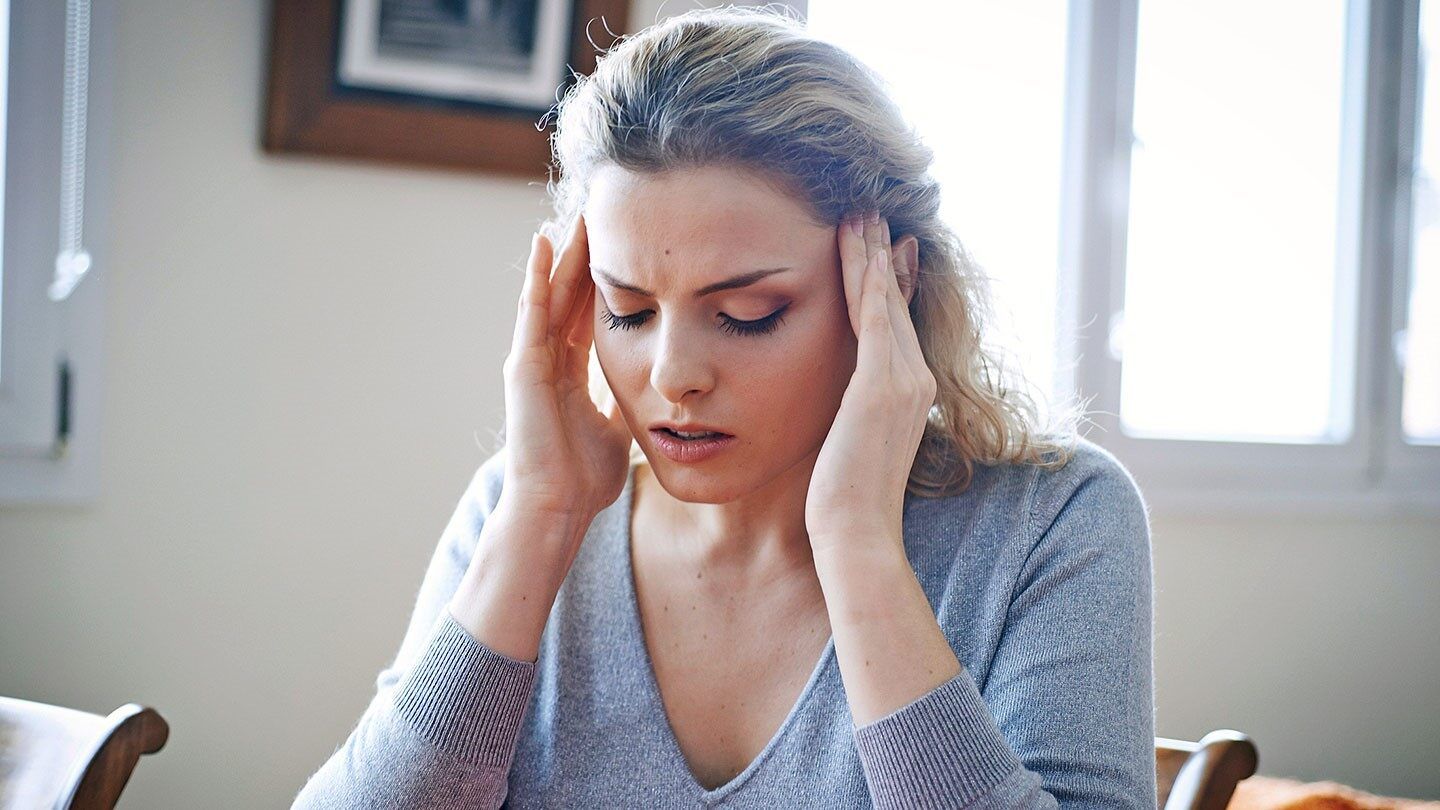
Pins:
<point x="672" y="352"/>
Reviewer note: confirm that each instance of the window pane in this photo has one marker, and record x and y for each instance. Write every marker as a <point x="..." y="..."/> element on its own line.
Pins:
<point x="983" y="82"/>
<point x="1230" y="323"/>
<point x="1421" y="351"/>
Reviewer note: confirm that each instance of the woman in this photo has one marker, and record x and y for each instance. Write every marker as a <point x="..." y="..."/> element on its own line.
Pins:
<point x="796" y="544"/>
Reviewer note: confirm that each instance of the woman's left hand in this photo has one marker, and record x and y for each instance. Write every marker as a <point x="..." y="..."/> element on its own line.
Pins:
<point x="857" y="489"/>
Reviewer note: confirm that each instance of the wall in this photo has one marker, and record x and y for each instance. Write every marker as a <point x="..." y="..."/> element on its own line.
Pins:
<point x="302" y="370"/>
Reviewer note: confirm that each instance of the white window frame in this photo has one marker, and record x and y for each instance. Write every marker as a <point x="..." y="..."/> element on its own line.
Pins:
<point x="1374" y="470"/>
<point x="37" y="464"/>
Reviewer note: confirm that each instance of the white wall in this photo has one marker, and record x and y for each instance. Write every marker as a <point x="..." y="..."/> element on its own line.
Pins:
<point x="303" y="369"/>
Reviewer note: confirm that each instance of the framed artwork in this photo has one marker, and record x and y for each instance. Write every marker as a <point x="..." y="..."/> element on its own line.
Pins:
<point x="460" y="84"/>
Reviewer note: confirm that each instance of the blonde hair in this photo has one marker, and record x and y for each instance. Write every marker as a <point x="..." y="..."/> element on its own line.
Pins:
<point x="748" y="87"/>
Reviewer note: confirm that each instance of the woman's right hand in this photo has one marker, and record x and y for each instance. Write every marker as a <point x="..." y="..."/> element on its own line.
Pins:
<point x="566" y="456"/>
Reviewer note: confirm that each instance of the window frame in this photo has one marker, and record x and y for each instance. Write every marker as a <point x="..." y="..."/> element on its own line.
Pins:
<point x="39" y="466"/>
<point x="1374" y="469"/>
<point x="1412" y="466"/>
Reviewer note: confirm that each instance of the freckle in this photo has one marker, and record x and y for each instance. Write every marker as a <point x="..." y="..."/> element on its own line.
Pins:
<point x="705" y="635"/>
<point x="867" y="662"/>
<point x="698" y="575"/>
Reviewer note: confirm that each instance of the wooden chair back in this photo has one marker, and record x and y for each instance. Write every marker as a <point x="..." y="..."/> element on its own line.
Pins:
<point x="54" y="757"/>
<point x="1202" y="775"/>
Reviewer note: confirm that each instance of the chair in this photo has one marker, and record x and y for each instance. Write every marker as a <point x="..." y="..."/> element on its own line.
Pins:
<point x="1203" y="775"/>
<point x="54" y="757"/>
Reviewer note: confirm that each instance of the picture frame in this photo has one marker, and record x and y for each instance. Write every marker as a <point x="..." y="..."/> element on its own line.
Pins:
<point x="451" y="84"/>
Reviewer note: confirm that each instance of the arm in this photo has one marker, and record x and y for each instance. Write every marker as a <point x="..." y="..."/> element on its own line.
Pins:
<point x="1065" y="717"/>
<point x="441" y="728"/>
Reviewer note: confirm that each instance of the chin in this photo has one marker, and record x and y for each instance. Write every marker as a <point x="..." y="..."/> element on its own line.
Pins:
<point x="699" y="483"/>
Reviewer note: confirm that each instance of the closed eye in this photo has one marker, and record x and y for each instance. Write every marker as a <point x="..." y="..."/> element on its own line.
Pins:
<point x="734" y="326"/>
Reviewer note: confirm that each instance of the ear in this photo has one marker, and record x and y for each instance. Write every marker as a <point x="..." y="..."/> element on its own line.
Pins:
<point x="905" y="258"/>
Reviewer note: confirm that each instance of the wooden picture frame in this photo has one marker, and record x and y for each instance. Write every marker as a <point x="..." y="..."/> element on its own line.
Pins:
<point x="309" y="111"/>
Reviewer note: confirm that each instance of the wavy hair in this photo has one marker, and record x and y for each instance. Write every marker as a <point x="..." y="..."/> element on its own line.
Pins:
<point x="749" y="87"/>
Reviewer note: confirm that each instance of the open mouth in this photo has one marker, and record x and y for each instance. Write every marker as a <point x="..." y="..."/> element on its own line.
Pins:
<point x="695" y="437"/>
<point x="690" y="448"/>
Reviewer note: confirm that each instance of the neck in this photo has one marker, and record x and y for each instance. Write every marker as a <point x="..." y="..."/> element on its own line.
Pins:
<point x="760" y="534"/>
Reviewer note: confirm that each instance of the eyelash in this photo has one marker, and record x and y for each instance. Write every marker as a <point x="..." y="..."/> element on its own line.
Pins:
<point x="763" y="326"/>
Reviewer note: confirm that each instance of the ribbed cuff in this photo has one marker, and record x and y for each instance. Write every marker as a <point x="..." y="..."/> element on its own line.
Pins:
<point x="464" y="697"/>
<point x="942" y="750"/>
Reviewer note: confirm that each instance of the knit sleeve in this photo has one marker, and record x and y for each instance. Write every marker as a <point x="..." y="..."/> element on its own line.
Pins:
<point x="441" y="728"/>
<point x="1065" y="717"/>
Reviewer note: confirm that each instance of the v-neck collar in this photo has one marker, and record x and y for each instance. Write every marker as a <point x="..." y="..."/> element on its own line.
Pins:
<point x="634" y="630"/>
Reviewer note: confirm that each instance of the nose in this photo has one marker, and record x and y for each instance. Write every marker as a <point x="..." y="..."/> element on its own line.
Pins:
<point x="679" y="366"/>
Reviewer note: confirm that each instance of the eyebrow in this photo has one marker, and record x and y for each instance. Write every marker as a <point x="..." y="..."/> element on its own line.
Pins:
<point x="742" y="280"/>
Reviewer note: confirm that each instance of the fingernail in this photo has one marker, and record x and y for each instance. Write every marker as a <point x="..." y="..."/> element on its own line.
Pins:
<point x="855" y="226"/>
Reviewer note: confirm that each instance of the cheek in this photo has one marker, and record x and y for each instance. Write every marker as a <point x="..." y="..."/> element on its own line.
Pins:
<point x="620" y="358"/>
<point x="796" y="381"/>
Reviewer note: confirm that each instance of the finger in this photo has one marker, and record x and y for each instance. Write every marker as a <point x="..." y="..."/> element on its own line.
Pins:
<point x="874" y="236"/>
<point x="532" y="318"/>
<point x="582" y="308"/>
<point x="889" y="242"/>
<point x="580" y="336"/>
<point x="876" y="337"/>
<point x="907" y="340"/>
<point x="580" y="329"/>
<point x="853" y="259"/>
<point x="904" y="341"/>
<point x="602" y="395"/>
<point x="570" y="272"/>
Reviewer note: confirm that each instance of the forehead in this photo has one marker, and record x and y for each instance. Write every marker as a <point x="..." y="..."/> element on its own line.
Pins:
<point x="696" y="220"/>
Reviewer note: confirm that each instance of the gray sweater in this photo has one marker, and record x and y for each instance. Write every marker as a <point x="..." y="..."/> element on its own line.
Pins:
<point x="1040" y="579"/>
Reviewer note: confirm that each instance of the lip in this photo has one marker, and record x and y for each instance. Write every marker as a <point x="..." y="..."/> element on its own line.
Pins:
<point x="688" y="427"/>
<point x="689" y="451"/>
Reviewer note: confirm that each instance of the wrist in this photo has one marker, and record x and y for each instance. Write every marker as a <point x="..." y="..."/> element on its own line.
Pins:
<point x="522" y="523"/>
<point x="858" y="546"/>
<point x="506" y="594"/>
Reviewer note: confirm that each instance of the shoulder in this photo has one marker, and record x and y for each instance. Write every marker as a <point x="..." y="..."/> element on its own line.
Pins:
<point x="489" y="479"/>
<point x="1087" y="515"/>
<point x="1091" y="488"/>
<point x="1081" y="497"/>
<point x="483" y="490"/>
<point x="1084" y="479"/>
<point x="482" y="493"/>
<point x="1073" y="528"/>
<point x="1018" y="513"/>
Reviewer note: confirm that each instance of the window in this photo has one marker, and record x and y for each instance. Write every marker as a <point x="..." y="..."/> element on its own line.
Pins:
<point x="1234" y="291"/>
<point x="1418" y="344"/>
<point x="1232" y="260"/>
<point x="50" y="349"/>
